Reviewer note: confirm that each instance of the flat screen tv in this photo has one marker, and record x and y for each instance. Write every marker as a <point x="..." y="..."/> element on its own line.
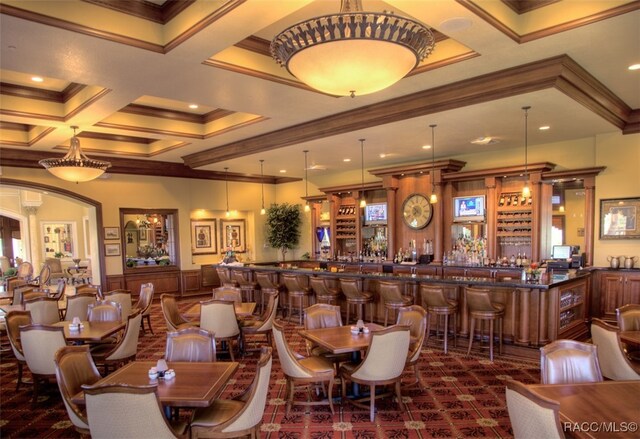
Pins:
<point x="375" y="214"/>
<point x="469" y="209"/>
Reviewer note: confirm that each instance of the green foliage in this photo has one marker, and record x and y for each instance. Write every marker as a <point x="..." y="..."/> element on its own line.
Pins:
<point x="11" y="271"/>
<point x="283" y="227"/>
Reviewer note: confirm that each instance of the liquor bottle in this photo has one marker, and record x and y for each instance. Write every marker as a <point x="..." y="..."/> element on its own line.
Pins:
<point x="501" y="202"/>
<point x="515" y="200"/>
<point x="519" y="260"/>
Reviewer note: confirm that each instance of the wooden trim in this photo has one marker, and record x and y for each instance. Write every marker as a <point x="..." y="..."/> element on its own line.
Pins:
<point x="115" y="137"/>
<point x="447" y="165"/>
<point x="161" y="113"/>
<point x="573" y="173"/>
<point x="348" y="188"/>
<point x="523" y="6"/>
<point x="30" y="142"/>
<point x="443" y="63"/>
<point x="146" y="10"/>
<point x="41" y="94"/>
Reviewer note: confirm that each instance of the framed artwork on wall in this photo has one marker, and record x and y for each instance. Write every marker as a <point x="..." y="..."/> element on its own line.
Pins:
<point x="112" y="249"/>
<point x="233" y="235"/>
<point x="111" y="233"/>
<point x="619" y="218"/>
<point x="204" y="237"/>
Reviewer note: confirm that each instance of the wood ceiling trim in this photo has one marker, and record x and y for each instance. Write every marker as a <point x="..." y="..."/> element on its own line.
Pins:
<point x="154" y="131"/>
<point x="86" y="104"/>
<point x="505" y="171"/>
<point x="633" y="126"/>
<point x="114" y="152"/>
<point x="29" y="159"/>
<point x="146" y="10"/>
<point x="446" y="165"/>
<point x="573" y="173"/>
<point x="162" y="113"/>
<point x="115" y="137"/>
<point x="216" y="114"/>
<point x="523" y="6"/>
<point x="443" y="63"/>
<point x="41" y="94"/>
<point x="13" y="126"/>
<point x="25" y="114"/>
<point x="514" y="81"/>
<point x="237" y="126"/>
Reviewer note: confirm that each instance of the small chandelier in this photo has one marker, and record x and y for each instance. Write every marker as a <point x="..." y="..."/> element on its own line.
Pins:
<point x="433" y="199"/>
<point x="263" y="210"/>
<point x="363" y="201"/>
<point x="526" y="191"/>
<point x="352" y="52"/>
<point x="75" y="166"/>
<point x="307" y="208"/>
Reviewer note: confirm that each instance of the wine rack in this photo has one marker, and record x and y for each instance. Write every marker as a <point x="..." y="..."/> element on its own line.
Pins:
<point x="514" y="223"/>
<point x="346" y="222"/>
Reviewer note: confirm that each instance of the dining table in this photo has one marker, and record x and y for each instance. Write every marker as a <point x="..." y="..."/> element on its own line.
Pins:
<point x="89" y="331"/>
<point x="242" y="309"/>
<point x="606" y="409"/>
<point x="630" y="337"/>
<point x="195" y="384"/>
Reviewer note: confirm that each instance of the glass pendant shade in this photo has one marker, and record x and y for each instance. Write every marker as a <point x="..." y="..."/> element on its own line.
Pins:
<point x="75" y="166"/>
<point x="433" y="199"/>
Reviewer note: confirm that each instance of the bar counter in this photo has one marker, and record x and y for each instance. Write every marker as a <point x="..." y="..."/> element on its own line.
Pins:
<point x="537" y="313"/>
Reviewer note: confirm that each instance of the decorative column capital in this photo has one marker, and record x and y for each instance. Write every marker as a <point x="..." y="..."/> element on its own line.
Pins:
<point x="30" y="210"/>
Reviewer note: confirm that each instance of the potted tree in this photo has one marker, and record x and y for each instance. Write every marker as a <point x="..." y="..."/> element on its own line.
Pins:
<point x="283" y="227"/>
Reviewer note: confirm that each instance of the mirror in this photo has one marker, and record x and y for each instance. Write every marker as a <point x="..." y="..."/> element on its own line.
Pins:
<point x="150" y="237"/>
<point x="568" y="221"/>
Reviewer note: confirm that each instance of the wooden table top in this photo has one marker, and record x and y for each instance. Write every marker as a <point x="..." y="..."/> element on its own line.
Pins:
<point x="195" y="384"/>
<point x="630" y="337"/>
<point x="340" y="340"/>
<point x="587" y="407"/>
<point x="242" y="309"/>
<point x="6" y="309"/>
<point x="92" y="331"/>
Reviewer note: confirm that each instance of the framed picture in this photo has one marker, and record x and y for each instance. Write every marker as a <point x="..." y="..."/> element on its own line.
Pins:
<point x="111" y="233"/>
<point x="142" y="235"/>
<point x="619" y="218"/>
<point x="203" y="237"/>
<point x="233" y="235"/>
<point x="112" y="249"/>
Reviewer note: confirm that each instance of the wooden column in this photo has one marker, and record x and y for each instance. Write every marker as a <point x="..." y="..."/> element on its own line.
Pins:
<point x="390" y="184"/>
<point x="490" y="229"/>
<point x="333" y="202"/>
<point x="589" y="217"/>
<point x="438" y="216"/>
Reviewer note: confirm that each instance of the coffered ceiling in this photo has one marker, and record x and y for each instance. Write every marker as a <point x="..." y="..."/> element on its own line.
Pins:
<point x="126" y="73"/>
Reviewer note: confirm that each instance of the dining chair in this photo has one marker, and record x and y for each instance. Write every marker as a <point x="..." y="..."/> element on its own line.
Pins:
<point x="263" y="324"/>
<point x="43" y="277"/>
<point x="14" y="320"/>
<point x="415" y="317"/>
<point x="58" y="293"/>
<point x="219" y="317"/>
<point x="305" y="370"/>
<point x="323" y="292"/>
<point x="56" y="269"/>
<point x="144" y="304"/>
<point x="33" y="294"/>
<point x="323" y="315"/>
<point x="569" y="362"/>
<point x="392" y="297"/>
<point x="190" y="344"/>
<point x="25" y="271"/>
<point x="613" y="362"/>
<point x="356" y="297"/>
<point x="75" y="367"/>
<point x="39" y="345"/>
<point x="17" y="288"/>
<point x="123" y="350"/>
<point x="44" y="310"/>
<point x="383" y="364"/>
<point x="78" y="306"/>
<point x="225" y="277"/>
<point x="123" y="297"/>
<point x="241" y="415"/>
<point x="171" y="313"/>
<point x="127" y="411"/>
<point x="296" y="291"/>
<point x="245" y="282"/>
<point x="104" y="311"/>
<point x="230" y="294"/>
<point x="89" y="288"/>
<point x="532" y="416"/>
<point x="628" y="318"/>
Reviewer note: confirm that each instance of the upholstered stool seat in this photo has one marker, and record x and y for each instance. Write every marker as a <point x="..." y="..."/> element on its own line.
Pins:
<point x="323" y="293"/>
<point x="356" y="297"/>
<point x="269" y="286"/>
<point x="296" y="291"/>
<point x="245" y="283"/>
<point x="482" y="308"/>
<point x="436" y="303"/>
<point x="391" y="293"/>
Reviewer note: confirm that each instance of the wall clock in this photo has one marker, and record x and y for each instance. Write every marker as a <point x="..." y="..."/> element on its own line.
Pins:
<point x="416" y="211"/>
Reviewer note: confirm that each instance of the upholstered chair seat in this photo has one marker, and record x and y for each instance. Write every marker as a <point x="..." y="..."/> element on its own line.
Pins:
<point x="219" y="318"/>
<point x="124" y="350"/>
<point x="323" y="292"/>
<point x="569" y="362"/>
<point x="39" y="345"/>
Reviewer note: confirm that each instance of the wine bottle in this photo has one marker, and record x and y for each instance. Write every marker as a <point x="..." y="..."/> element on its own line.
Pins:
<point x="501" y="202"/>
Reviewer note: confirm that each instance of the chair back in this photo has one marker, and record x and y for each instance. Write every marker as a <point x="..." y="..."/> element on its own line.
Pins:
<point x="293" y="282"/>
<point x="39" y="345"/>
<point x="415" y="317"/>
<point x="613" y="361"/>
<point x="479" y="299"/>
<point x="116" y="411"/>
<point x="145" y="299"/>
<point x="532" y="416"/>
<point x="225" y="277"/>
<point x="628" y="317"/>
<point x="230" y="294"/>
<point x="14" y="320"/>
<point x="432" y="296"/>
<point x="269" y="315"/>
<point x="190" y="344"/>
<point x="55" y="266"/>
<point x="288" y="362"/>
<point x="386" y="356"/>
<point x="322" y="315"/>
<point x="350" y="288"/>
<point x="390" y="291"/>
<point x="75" y="367"/>
<point x="104" y="311"/>
<point x="31" y="295"/>
<point x="265" y="281"/>
<point x="78" y="306"/>
<point x="219" y="317"/>
<point x="127" y="346"/>
<point x="44" y="276"/>
<point x="44" y="310"/>
<point x="170" y="311"/>
<point x="241" y="277"/>
<point x="569" y="362"/>
<point x="25" y="271"/>
<point x="96" y="290"/>
<point x="60" y="289"/>
<point x="123" y="297"/>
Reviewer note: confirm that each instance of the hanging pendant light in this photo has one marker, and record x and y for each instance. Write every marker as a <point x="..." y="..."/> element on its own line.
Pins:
<point x="263" y="210"/>
<point x="307" y="208"/>
<point x="363" y="201"/>
<point x="75" y="166"/>
<point x="226" y="187"/>
<point x="433" y="199"/>
<point x="526" y="191"/>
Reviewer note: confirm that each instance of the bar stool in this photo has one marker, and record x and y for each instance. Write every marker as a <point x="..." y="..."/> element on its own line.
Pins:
<point x="356" y="297"/>
<point x="296" y="291"/>
<point x="225" y="277"/>
<point x="435" y="302"/>
<point x="268" y="288"/>
<point x="248" y="286"/>
<point x="324" y="293"/>
<point x="391" y="293"/>
<point x="482" y="308"/>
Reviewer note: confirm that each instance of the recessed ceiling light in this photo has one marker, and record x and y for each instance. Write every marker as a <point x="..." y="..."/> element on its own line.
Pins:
<point x="283" y="171"/>
<point x="193" y="106"/>
<point x="346" y="160"/>
<point x="544" y="128"/>
<point x="37" y="79"/>
<point x="383" y="155"/>
<point x="634" y="67"/>
<point x="426" y="146"/>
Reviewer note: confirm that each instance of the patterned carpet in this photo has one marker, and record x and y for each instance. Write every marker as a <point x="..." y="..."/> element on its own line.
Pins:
<point x="463" y="397"/>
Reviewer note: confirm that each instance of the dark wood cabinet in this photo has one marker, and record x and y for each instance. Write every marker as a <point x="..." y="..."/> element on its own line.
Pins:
<point x="617" y="288"/>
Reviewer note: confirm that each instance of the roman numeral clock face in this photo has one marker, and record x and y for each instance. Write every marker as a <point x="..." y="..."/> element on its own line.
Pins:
<point x="416" y="211"/>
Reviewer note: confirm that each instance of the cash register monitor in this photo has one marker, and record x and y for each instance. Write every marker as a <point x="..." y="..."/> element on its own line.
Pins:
<point x="561" y="252"/>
